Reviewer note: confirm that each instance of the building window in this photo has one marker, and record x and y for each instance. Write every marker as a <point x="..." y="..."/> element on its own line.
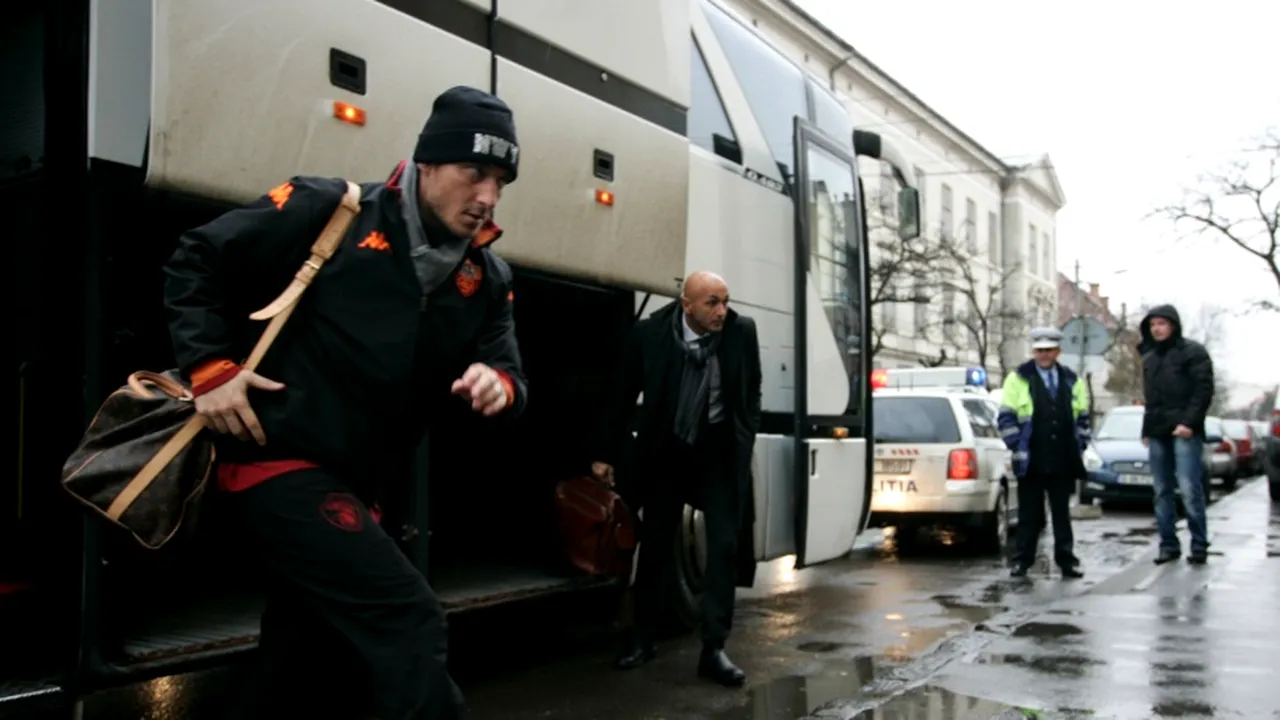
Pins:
<point x="707" y="115"/>
<point x="920" y="185"/>
<point x="920" y="307"/>
<point x="889" y="311"/>
<point x="993" y="238"/>
<point x="775" y="90"/>
<point x="887" y="195"/>
<point x="971" y="226"/>
<point x="1049" y="265"/>
<point x="949" y="312"/>
<point x="947" y="221"/>
<point x="1033" y="255"/>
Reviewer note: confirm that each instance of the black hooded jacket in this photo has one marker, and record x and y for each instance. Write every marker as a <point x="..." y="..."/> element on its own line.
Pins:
<point x="1177" y="378"/>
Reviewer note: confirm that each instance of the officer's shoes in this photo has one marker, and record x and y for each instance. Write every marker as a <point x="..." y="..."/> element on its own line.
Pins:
<point x="1019" y="571"/>
<point x="1072" y="572"/>
<point x="715" y="665"/>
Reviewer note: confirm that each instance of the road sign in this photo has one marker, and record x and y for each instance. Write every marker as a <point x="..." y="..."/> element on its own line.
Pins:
<point x="1084" y="336"/>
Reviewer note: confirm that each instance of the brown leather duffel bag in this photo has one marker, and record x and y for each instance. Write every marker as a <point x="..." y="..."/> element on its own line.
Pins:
<point x="144" y="462"/>
<point x="597" y="532"/>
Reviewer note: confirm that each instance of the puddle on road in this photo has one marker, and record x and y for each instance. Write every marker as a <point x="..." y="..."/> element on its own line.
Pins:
<point x="833" y="695"/>
<point x="1047" y="631"/>
<point x="1062" y="665"/>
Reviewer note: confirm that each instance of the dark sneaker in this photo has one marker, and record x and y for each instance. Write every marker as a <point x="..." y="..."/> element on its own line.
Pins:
<point x="1019" y="571"/>
<point x="1198" y="558"/>
<point x="1167" y="556"/>
<point x="1072" y="572"/>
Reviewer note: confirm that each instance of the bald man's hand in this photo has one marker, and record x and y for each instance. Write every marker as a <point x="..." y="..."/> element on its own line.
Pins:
<point x="602" y="472"/>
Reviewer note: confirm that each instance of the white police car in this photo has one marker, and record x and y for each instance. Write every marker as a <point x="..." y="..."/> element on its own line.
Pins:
<point x="939" y="458"/>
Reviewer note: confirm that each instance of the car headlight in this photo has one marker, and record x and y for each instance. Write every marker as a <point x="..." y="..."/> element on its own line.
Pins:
<point x="1092" y="460"/>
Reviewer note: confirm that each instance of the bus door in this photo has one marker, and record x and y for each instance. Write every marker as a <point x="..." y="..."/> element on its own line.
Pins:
<point x="831" y="457"/>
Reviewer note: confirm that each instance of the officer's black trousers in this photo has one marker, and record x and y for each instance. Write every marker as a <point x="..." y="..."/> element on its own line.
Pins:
<point x="351" y="628"/>
<point x="1032" y="491"/>
<point x="700" y="476"/>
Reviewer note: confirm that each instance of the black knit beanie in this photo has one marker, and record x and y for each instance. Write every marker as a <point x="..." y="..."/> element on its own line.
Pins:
<point x="469" y="125"/>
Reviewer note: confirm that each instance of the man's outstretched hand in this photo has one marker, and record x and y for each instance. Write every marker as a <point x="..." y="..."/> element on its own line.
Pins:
<point x="226" y="408"/>
<point x="483" y="387"/>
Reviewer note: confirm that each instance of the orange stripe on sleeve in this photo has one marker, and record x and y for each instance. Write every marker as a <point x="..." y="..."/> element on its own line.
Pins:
<point x="212" y="375"/>
<point x="508" y="386"/>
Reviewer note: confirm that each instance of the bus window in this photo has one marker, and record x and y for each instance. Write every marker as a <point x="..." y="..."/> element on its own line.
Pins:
<point x="834" y="258"/>
<point x="830" y="116"/>
<point x="707" y="115"/>
<point x="773" y="85"/>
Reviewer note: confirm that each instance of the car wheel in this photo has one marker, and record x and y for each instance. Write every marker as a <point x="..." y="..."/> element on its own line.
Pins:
<point x="689" y="579"/>
<point x="1274" y="487"/>
<point x="995" y="526"/>
<point x="1229" y="483"/>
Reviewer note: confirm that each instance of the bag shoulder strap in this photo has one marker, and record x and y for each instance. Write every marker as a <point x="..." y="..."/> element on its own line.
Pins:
<point x="279" y="311"/>
<point x="323" y="249"/>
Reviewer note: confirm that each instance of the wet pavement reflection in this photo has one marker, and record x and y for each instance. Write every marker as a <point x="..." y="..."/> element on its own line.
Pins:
<point x="933" y="631"/>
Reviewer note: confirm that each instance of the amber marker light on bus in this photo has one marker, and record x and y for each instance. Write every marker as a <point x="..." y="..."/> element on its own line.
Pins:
<point x="840" y="433"/>
<point x="604" y="197"/>
<point x="348" y="113"/>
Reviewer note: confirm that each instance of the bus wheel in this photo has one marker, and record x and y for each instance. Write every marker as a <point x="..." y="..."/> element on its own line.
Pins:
<point x="685" y="596"/>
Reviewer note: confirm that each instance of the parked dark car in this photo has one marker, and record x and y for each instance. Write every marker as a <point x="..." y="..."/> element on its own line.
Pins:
<point x="1248" y="447"/>
<point x="1273" y="450"/>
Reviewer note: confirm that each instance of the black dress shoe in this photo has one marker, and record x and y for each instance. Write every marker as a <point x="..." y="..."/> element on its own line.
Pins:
<point x="1019" y="571"/>
<point x="1167" y="556"/>
<point x="1198" y="558"/>
<point x="635" y="655"/>
<point x="1072" y="572"/>
<point x="716" y="665"/>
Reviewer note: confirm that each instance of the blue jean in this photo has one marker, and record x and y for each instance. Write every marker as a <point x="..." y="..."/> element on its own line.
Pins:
<point x="1179" y="460"/>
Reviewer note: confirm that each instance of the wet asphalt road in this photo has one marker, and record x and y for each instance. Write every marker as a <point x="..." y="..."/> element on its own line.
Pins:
<point x="880" y="634"/>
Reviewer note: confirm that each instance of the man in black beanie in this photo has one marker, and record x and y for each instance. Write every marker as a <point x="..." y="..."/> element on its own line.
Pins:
<point x="412" y="314"/>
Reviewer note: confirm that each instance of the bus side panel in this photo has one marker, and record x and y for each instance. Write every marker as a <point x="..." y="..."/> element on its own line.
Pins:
<point x="242" y="97"/>
<point x="551" y="214"/>
<point x="644" y="42"/>
<point x="775" y="496"/>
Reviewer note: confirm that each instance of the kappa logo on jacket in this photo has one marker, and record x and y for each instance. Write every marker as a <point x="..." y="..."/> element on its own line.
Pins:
<point x="375" y="241"/>
<point x="468" y="278"/>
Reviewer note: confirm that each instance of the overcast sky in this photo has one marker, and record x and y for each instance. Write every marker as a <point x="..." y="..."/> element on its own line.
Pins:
<point x="1130" y="99"/>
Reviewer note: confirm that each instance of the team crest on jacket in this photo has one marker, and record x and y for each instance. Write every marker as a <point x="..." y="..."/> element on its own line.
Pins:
<point x="468" y="278"/>
<point x="342" y="511"/>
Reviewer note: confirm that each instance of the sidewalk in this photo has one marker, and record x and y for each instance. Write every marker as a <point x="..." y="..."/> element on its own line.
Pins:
<point x="1151" y="642"/>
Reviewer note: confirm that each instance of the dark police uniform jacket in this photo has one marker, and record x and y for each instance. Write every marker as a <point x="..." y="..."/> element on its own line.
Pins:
<point x="366" y="359"/>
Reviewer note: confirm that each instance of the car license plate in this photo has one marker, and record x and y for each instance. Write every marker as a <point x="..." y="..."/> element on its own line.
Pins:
<point x="895" y="466"/>
<point x="1135" y="479"/>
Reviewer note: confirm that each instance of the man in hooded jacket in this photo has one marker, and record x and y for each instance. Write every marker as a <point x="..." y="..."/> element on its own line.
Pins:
<point x="1177" y="381"/>
<point x="411" y="313"/>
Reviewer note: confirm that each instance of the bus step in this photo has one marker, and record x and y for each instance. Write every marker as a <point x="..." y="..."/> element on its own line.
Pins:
<point x="229" y="624"/>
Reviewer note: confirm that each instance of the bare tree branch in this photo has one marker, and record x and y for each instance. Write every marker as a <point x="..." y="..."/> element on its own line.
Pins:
<point x="1239" y="204"/>
<point x="901" y="272"/>
<point x="983" y="321"/>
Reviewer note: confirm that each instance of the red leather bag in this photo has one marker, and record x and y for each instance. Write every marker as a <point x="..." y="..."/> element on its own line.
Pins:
<point x="597" y="532"/>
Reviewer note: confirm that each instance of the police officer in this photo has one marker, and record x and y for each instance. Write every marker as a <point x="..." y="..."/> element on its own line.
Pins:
<point x="1044" y="420"/>
<point x="412" y="309"/>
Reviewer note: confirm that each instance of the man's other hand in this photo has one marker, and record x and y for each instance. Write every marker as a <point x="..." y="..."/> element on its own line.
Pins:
<point x="602" y="472"/>
<point x="1182" y="431"/>
<point x="226" y="408"/>
<point x="482" y="385"/>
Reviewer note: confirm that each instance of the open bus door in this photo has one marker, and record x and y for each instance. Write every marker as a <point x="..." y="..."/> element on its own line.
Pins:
<point x="832" y="462"/>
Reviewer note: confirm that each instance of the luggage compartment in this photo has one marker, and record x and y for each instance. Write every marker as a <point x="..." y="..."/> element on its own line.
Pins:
<point x="493" y="523"/>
